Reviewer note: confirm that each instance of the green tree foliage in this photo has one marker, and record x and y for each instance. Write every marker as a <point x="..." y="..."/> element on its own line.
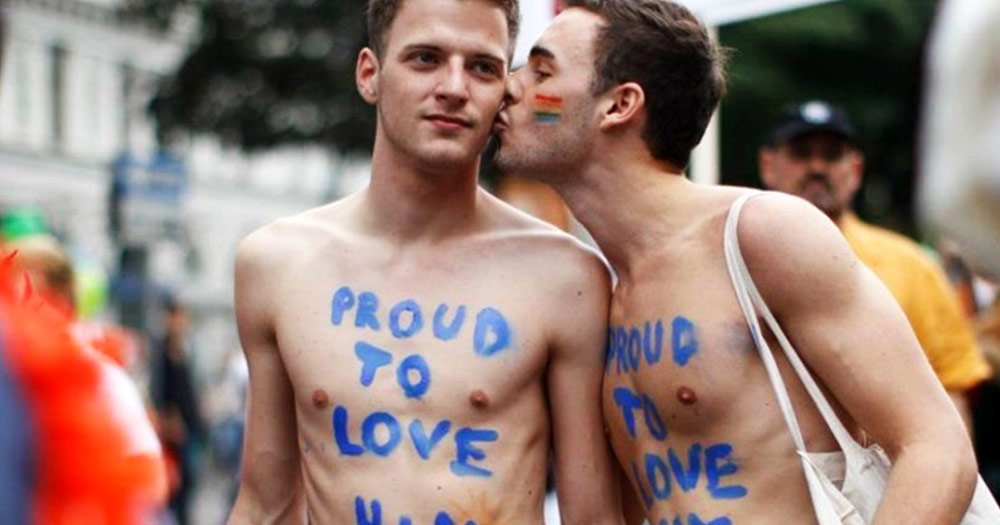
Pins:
<point x="864" y="55"/>
<point x="263" y="73"/>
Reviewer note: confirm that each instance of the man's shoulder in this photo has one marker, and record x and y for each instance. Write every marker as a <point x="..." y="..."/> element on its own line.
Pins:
<point x="543" y="245"/>
<point x="792" y="249"/>
<point x="311" y="228"/>
<point x="778" y="224"/>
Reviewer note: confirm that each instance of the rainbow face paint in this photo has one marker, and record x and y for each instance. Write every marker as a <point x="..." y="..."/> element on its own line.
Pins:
<point x="548" y="109"/>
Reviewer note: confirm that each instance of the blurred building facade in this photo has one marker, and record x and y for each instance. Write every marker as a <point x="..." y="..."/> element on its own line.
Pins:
<point x="75" y="83"/>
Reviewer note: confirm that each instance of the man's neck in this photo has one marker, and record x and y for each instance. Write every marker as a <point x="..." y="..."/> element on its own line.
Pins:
<point x="409" y="204"/>
<point x="630" y="207"/>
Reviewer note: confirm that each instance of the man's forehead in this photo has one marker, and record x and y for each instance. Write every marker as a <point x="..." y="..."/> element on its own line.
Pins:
<point x="570" y="35"/>
<point x="470" y="27"/>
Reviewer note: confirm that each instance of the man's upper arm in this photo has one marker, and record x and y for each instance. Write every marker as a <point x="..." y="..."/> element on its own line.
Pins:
<point x="844" y="322"/>
<point x="585" y="471"/>
<point x="270" y="490"/>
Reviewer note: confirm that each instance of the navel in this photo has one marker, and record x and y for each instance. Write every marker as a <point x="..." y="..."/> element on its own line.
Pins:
<point x="479" y="399"/>
<point x="686" y="396"/>
<point x="320" y="398"/>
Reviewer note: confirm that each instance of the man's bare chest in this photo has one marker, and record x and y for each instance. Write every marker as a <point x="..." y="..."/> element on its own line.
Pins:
<point x="413" y="371"/>
<point x="681" y="375"/>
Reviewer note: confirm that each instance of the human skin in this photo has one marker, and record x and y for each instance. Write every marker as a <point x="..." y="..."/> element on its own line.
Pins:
<point x="827" y="170"/>
<point x="695" y="415"/>
<point x="361" y="413"/>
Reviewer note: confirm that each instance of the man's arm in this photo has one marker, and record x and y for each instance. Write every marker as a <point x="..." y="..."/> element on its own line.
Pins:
<point x="853" y="335"/>
<point x="584" y="465"/>
<point x="271" y="486"/>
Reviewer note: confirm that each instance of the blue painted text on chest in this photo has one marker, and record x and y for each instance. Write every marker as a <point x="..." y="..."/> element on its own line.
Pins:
<point x="491" y="331"/>
<point x="630" y="347"/>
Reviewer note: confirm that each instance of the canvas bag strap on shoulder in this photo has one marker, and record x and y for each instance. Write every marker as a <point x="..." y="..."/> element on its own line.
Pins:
<point x="740" y="275"/>
<point x="823" y="507"/>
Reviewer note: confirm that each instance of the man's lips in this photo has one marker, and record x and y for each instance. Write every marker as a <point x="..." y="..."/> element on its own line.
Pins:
<point x="449" y="121"/>
<point x="500" y="122"/>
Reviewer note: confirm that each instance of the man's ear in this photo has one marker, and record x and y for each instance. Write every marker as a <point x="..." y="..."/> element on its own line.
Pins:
<point x="623" y="104"/>
<point x="765" y="166"/>
<point x="366" y="75"/>
<point x="857" y="160"/>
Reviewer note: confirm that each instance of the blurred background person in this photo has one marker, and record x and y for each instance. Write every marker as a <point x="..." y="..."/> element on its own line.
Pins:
<point x="811" y="152"/>
<point x="177" y="406"/>
<point x="17" y="478"/>
<point x="97" y="456"/>
<point x="225" y="410"/>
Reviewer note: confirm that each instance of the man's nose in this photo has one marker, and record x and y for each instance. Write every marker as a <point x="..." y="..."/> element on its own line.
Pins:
<point x="818" y="162"/>
<point x="513" y="87"/>
<point x="454" y="85"/>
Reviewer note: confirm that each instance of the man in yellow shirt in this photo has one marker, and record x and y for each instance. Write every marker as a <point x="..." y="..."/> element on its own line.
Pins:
<point x="811" y="152"/>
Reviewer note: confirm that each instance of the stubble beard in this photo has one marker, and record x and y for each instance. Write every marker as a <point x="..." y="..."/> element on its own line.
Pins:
<point x="547" y="156"/>
<point x="825" y="199"/>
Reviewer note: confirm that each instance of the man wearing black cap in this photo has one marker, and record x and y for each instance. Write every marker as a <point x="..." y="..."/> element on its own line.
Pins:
<point x="811" y="152"/>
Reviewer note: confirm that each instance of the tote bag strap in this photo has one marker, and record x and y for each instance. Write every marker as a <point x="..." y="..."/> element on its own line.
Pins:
<point x="749" y="298"/>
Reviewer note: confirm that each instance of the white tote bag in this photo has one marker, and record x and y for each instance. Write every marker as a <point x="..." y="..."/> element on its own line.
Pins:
<point x="846" y="487"/>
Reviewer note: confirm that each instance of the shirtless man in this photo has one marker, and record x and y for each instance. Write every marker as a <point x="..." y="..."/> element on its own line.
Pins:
<point x="608" y="108"/>
<point x="415" y="349"/>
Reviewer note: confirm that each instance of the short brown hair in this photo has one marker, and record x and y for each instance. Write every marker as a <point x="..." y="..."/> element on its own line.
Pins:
<point x="381" y="13"/>
<point x="661" y="46"/>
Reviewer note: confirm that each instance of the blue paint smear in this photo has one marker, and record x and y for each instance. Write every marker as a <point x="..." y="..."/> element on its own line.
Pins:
<point x="634" y="348"/>
<point x="368" y="433"/>
<point x="718" y="463"/>
<point x="609" y="351"/>
<point x="367" y="306"/>
<point x="686" y="478"/>
<point x="653" y="420"/>
<point x="646" y="500"/>
<point x="361" y="513"/>
<point x="658" y="476"/>
<point x="491" y="322"/>
<point x="343" y="300"/>
<point x="693" y="519"/>
<point x="416" y="319"/>
<point x="685" y="342"/>
<point x="418" y="363"/>
<point x="422" y="442"/>
<point x="372" y="358"/>
<point x="621" y="341"/>
<point x="466" y="451"/>
<point x="628" y="402"/>
<point x="340" y="434"/>
<point x="448" y="332"/>
<point x="443" y="518"/>
<point x="653" y="351"/>
<point x="405" y="520"/>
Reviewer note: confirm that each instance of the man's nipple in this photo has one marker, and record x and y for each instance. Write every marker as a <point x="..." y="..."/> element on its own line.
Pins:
<point x="686" y="396"/>
<point x="320" y="399"/>
<point x="479" y="399"/>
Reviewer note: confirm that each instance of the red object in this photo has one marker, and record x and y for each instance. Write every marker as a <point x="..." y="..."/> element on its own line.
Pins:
<point x="87" y="472"/>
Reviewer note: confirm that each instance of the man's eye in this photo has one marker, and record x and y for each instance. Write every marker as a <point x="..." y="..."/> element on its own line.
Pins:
<point x="424" y="57"/>
<point x="486" y="68"/>
<point x="799" y="152"/>
<point x="540" y="75"/>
